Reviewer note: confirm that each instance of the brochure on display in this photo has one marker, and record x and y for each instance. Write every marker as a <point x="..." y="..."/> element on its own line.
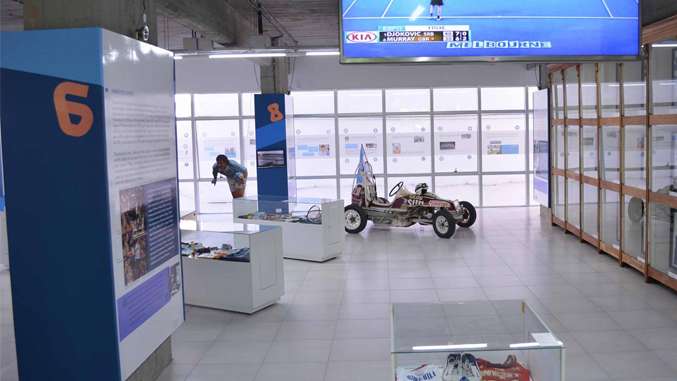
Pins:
<point x="224" y="253"/>
<point x="466" y="367"/>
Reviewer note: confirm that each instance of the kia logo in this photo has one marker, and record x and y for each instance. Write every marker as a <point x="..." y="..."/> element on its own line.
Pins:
<point x="362" y="37"/>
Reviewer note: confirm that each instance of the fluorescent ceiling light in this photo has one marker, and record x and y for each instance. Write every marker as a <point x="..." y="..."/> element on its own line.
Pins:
<point x="323" y="53"/>
<point x="450" y="347"/>
<point x="665" y="45"/>
<point x="248" y="55"/>
<point x="525" y="345"/>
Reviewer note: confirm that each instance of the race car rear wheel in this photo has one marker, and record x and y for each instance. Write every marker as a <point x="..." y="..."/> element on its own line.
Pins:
<point x="443" y="224"/>
<point x="356" y="219"/>
<point x="469" y="215"/>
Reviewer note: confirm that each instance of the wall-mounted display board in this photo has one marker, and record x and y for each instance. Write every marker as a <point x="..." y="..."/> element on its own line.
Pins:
<point x="492" y="30"/>
<point x="90" y="154"/>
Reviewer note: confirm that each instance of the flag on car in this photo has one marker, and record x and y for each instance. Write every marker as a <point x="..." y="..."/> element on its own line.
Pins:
<point x="359" y="175"/>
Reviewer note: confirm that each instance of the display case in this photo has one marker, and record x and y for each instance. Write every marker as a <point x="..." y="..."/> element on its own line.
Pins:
<point x="474" y="341"/>
<point x="312" y="229"/>
<point x="238" y="271"/>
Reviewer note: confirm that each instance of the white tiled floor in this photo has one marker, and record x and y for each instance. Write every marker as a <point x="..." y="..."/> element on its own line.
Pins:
<point x="333" y="323"/>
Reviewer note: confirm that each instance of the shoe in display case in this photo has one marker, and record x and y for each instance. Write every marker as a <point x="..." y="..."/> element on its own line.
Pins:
<point x="312" y="229"/>
<point x="239" y="271"/>
<point x="473" y="341"/>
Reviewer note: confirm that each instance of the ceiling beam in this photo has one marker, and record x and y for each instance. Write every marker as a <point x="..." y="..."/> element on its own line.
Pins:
<point x="215" y="19"/>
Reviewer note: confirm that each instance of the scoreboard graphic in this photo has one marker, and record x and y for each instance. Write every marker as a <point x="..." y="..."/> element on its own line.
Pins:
<point x="405" y="30"/>
<point x="427" y="33"/>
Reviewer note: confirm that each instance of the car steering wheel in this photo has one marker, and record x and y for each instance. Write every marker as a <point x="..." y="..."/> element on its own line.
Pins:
<point x="396" y="189"/>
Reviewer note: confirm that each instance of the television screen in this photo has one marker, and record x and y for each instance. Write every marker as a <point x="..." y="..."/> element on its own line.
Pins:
<point x="488" y="30"/>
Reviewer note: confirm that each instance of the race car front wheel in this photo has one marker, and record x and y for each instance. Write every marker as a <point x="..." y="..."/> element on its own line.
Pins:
<point x="356" y="219"/>
<point x="443" y="224"/>
<point x="469" y="215"/>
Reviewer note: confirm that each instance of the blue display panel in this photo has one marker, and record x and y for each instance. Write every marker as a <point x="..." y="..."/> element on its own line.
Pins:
<point x="405" y="30"/>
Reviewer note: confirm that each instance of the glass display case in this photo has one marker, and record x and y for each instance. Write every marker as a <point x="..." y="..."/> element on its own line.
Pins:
<point x="239" y="270"/>
<point x="312" y="229"/>
<point x="474" y="341"/>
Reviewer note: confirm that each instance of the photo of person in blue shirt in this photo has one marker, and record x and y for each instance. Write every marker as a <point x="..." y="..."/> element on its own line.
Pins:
<point x="235" y="173"/>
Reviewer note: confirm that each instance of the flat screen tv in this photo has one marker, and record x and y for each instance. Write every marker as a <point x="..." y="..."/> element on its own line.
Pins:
<point x="488" y="30"/>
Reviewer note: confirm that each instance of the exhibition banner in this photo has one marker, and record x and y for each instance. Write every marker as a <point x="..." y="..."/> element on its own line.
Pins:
<point x="96" y="198"/>
<point x="275" y="147"/>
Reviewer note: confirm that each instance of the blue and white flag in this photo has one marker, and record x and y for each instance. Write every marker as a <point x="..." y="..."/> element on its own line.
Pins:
<point x="359" y="175"/>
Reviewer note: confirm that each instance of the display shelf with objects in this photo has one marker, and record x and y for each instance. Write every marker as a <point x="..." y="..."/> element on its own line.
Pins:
<point x="237" y="271"/>
<point x="474" y="341"/>
<point x="312" y="229"/>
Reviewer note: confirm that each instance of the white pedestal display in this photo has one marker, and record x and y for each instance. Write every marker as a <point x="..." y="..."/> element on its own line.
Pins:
<point x="235" y="286"/>
<point x="317" y="242"/>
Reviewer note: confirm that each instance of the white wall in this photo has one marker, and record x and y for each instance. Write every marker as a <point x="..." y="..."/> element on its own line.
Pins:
<point x="202" y="75"/>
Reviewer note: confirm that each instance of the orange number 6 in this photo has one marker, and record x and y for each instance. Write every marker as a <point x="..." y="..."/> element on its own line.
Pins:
<point x="275" y="114"/>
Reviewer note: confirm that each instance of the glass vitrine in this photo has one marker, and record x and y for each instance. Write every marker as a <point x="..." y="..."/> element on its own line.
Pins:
<point x="474" y="341"/>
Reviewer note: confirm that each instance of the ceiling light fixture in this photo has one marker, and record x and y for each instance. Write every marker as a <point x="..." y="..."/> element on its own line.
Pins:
<point x="323" y="53"/>
<point x="247" y="55"/>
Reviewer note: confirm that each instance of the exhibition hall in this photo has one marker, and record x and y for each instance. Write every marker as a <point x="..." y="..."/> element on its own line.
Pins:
<point x="334" y="190"/>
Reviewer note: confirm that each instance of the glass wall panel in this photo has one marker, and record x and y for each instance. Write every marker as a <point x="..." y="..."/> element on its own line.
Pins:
<point x="216" y="137"/>
<point x="530" y="143"/>
<point x="503" y="140"/>
<point x="633" y="226"/>
<point x="360" y="101"/>
<point x="504" y="190"/>
<point x="531" y="90"/>
<point x="590" y="161"/>
<point x="355" y="132"/>
<point x="216" y="105"/>
<point x="559" y="145"/>
<point x="313" y="102"/>
<point x="464" y="188"/>
<point x="503" y="98"/>
<point x="408" y="144"/>
<point x="215" y="198"/>
<point x="573" y="198"/>
<point x="186" y="198"/>
<point x="572" y="93"/>
<point x="184" y="149"/>
<point x="664" y="80"/>
<point x="408" y="100"/>
<point x="610" y="224"/>
<point x="573" y="154"/>
<point x="183" y="108"/>
<point x="558" y="197"/>
<point x="634" y="89"/>
<point x="315" y="147"/>
<point x="249" y="131"/>
<point x="456" y="143"/>
<point x="347" y="189"/>
<point x="664" y="157"/>
<point x="248" y="106"/>
<point x="663" y="240"/>
<point x="590" y="209"/>
<point x="324" y="188"/>
<point x="461" y="99"/>
<point x="635" y="171"/>
<point x="610" y="90"/>
<point x="611" y="153"/>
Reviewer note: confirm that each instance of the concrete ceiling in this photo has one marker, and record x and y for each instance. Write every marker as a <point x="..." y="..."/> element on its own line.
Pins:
<point x="311" y="22"/>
